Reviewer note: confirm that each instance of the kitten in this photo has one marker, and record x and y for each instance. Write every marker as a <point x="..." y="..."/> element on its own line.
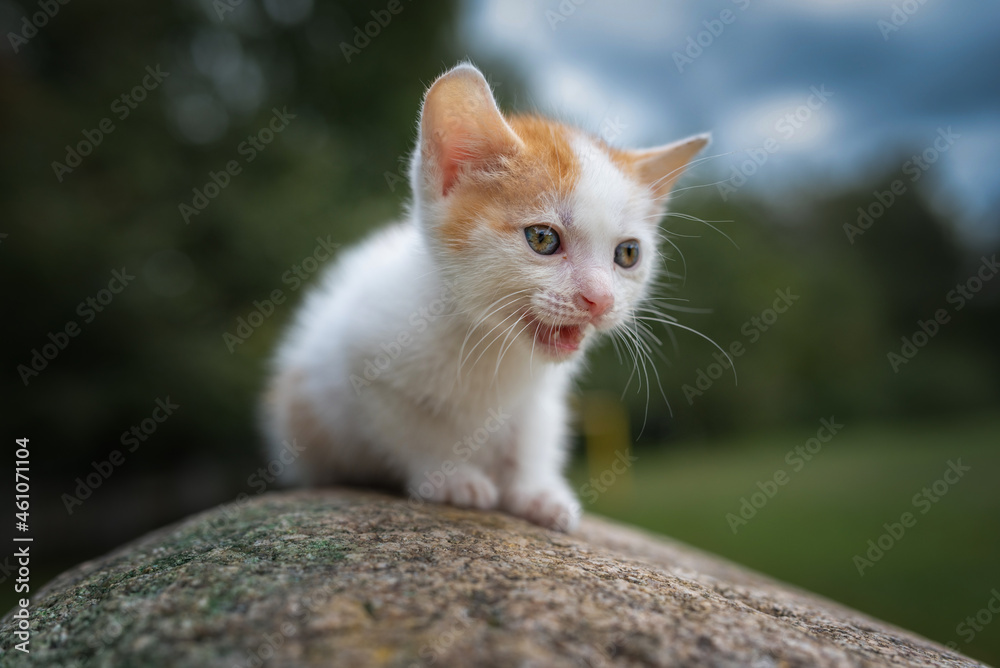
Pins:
<point x="438" y="354"/>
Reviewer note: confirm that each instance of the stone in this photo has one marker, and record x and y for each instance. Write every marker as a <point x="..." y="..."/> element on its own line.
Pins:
<point x="340" y="577"/>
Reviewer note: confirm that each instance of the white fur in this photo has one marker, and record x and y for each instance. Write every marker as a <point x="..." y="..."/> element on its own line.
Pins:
<point x="401" y="308"/>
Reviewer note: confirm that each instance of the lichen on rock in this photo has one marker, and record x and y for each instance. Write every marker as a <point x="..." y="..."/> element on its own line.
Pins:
<point x="346" y="577"/>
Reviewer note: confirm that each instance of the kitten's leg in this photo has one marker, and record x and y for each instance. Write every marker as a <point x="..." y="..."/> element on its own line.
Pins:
<point x="533" y="485"/>
<point x="460" y="485"/>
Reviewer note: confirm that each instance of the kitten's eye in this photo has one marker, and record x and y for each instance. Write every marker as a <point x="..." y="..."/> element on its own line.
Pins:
<point x="627" y="253"/>
<point x="542" y="239"/>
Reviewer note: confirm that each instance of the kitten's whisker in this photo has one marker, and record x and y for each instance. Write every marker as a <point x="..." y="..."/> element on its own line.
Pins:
<point x="647" y="333"/>
<point x="653" y="311"/>
<point x="531" y="358"/>
<point x="633" y="349"/>
<point x="683" y="259"/>
<point x="677" y="191"/>
<point x="641" y="328"/>
<point x="481" y="320"/>
<point x="503" y="351"/>
<point x="674" y="306"/>
<point x="676" y="214"/>
<point x="490" y="344"/>
<point x="635" y="364"/>
<point x="685" y="216"/>
<point x="483" y="338"/>
<point x="679" y="309"/>
<point x="645" y="370"/>
<point x="688" y="165"/>
<point x="500" y="354"/>
<point x="673" y="323"/>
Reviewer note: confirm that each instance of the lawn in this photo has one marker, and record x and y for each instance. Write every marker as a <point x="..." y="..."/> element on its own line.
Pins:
<point x="938" y="571"/>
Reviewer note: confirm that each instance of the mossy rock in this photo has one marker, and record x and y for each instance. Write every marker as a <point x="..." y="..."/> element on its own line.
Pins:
<point x="350" y="578"/>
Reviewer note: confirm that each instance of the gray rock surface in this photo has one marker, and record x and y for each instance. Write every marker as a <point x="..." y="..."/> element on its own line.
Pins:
<point x="350" y="578"/>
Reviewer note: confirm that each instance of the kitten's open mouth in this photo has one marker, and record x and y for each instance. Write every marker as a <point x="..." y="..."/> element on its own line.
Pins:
<point x="557" y="341"/>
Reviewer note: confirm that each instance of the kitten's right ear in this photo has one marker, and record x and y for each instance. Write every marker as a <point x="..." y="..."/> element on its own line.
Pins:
<point x="659" y="168"/>
<point x="461" y="128"/>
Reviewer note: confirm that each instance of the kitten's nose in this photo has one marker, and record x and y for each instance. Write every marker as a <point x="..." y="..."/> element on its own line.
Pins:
<point x="596" y="303"/>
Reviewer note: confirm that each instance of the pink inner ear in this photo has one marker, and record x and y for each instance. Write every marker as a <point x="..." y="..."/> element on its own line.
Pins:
<point x="456" y="152"/>
<point x="463" y="127"/>
<point x="449" y="153"/>
<point x="450" y="162"/>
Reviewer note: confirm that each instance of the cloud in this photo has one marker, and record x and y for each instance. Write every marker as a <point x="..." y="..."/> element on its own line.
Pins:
<point x="619" y="58"/>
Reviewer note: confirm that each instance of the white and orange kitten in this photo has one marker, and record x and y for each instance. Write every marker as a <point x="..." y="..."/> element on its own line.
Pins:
<point x="437" y="355"/>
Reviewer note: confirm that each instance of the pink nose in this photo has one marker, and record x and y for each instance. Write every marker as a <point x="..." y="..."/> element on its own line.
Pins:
<point x="597" y="304"/>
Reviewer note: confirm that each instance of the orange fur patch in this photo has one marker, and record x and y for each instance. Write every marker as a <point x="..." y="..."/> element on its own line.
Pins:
<point x="623" y="160"/>
<point x="545" y="167"/>
<point x="302" y="424"/>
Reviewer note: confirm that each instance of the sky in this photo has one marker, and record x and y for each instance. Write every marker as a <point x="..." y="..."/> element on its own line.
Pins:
<point x="839" y="90"/>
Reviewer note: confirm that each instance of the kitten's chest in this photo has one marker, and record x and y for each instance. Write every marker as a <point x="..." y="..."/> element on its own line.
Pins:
<point x="464" y="396"/>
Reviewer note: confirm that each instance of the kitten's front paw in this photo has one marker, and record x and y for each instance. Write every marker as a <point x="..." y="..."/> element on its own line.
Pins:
<point x="466" y="487"/>
<point x="551" y="507"/>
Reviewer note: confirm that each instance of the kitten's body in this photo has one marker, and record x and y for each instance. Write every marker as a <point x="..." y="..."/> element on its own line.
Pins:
<point x="437" y="355"/>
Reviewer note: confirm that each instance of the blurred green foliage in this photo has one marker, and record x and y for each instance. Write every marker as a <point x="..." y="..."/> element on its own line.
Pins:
<point x="828" y="352"/>
<point x="323" y="176"/>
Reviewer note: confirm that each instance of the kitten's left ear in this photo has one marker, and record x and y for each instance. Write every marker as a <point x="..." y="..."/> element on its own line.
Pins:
<point x="461" y="127"/>
<point x="660" y="167"/>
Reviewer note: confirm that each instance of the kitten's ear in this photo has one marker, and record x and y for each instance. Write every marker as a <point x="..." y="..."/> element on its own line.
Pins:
<point x="461" y="128"/>
<point x="660" y="167"/>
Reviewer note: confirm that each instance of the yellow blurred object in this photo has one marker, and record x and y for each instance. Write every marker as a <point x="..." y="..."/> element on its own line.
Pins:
<point x="607" y="437"/>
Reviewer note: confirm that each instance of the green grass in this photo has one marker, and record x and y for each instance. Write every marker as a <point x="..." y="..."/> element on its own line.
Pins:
<point x="940" y="572"/>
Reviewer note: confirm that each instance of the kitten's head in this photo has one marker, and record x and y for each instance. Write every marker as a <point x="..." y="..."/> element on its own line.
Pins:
<point x="546" y="233"/>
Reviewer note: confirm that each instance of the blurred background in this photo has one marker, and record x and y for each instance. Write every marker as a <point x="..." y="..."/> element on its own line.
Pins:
<point x="175" y="175"/>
